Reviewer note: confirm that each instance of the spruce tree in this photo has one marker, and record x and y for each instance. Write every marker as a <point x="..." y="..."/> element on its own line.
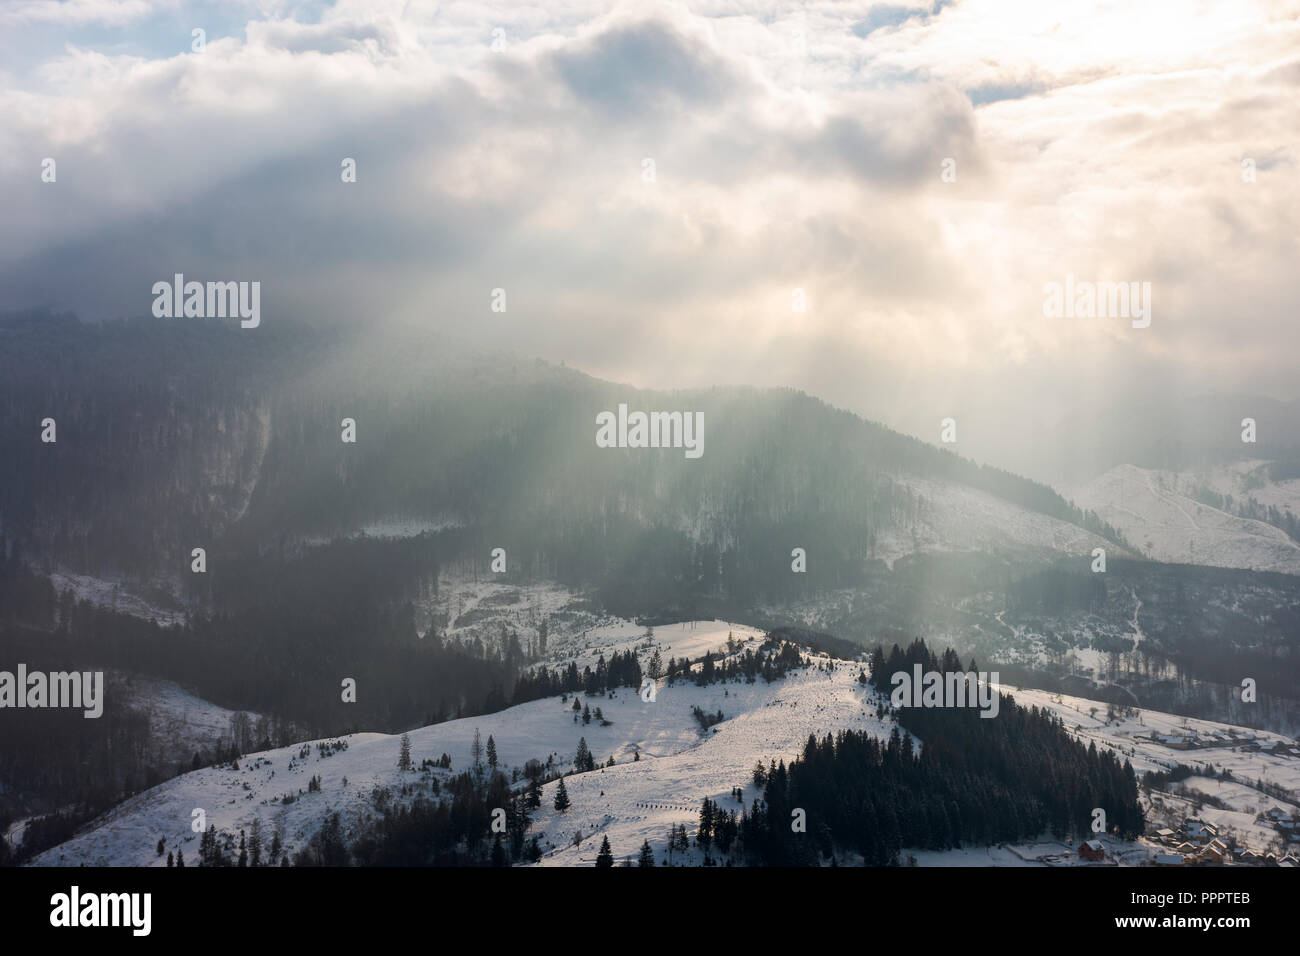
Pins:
<point x="605" y="857"/>
<point x="561" y="797"/>
<point x="255" y="843"/>
<point x="404" y="755"/>
<point x="647" y="855"/>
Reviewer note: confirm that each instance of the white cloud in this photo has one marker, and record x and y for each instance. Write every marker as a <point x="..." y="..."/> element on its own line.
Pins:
<point x="1105" y="145"/>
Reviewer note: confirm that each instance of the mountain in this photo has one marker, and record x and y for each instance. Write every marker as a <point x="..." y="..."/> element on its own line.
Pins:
<point x="1234" y="515"/>
<point x="323" y="797"/>
<point x="174" y="435"/>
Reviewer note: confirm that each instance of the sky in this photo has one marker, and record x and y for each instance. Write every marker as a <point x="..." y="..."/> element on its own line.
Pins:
<point x="866" y="201"/>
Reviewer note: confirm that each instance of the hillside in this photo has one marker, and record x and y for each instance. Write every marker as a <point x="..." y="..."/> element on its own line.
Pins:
<point x="215" y="442"/>
<point x="665" y="764"/>
<point x="1228" y="516"/>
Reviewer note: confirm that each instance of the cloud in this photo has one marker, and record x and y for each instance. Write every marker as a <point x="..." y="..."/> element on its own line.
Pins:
<point x="1089" y="146"/>
<point x="81" y="12"/>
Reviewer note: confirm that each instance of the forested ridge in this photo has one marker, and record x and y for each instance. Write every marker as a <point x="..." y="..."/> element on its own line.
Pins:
<point x="976" y="780"/>
<point x="174" y="435"/>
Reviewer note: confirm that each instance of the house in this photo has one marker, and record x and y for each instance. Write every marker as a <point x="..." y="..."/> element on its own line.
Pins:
<point x="1168" y="859"/>
<point x="1198" y="829"/>
<point x="1213" y="853"/>
<point x="1092" y="850"/>
<point x="1249" y="857"/>
<point x="1164" y="834"/>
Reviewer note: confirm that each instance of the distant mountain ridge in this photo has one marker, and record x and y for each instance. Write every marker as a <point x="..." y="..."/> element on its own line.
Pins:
<point x="175" y="434"/>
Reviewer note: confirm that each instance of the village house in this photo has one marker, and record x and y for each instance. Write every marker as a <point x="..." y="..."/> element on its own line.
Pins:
<point x="1200" y="830"/>
<point x="1092" y="850"/>
<point x="1214" y="852"/>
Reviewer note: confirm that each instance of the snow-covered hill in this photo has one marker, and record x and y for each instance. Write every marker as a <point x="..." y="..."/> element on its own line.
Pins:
<point x="679" y="765"/>
<point x="664" y="764"/>
<point x="1158" y="512"/>
<point x="1152" y="740"/>
<point x="953" y="517"/>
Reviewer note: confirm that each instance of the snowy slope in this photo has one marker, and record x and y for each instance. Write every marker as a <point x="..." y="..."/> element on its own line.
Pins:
<point x="633" y="801"/>
<point x="1156" y="512"/>
<point x="123" y="597"/>
<point x="1247" y="754"/>
<point x="180" y="723"/>
<point x="678" y="766"/>
<point x="954" y="517"/>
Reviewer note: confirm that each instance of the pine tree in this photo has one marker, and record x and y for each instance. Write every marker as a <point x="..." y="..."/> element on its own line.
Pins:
<point x="533" y="852"/>
<point x="209" y="849"/>
<point x="404" y="755"/>
<point x="647" y="855"/>
<point x="180" y="858"/>
<point x="255" y="842"/>
<point x="243" y="850"/>
<point x="492" y="752"/>
<point x="476" y="751"/>
<point x="561" y="797"/>
<point x="605" y="857"/>
<point x="170" y="860"/>
<point x="681" y="841"/>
